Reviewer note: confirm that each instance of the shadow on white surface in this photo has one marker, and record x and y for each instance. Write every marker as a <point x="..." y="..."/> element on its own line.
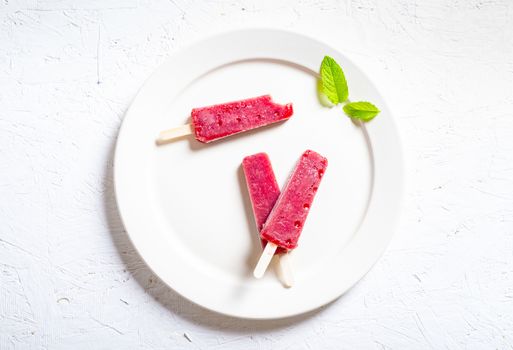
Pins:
<point x="167" y="297"/>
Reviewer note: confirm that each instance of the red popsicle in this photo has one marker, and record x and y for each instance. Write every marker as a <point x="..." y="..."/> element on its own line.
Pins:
<point x="262" y="187"/>
<point x="264" y="191"/>
<point x="285" y="222"/>
<point x="216" y="122"/>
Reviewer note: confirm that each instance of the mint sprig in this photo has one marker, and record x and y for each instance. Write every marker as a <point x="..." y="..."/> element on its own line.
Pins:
<point x="333" y="85"/>
<point x="364" y="111"/>
<point x="333" y="81"/>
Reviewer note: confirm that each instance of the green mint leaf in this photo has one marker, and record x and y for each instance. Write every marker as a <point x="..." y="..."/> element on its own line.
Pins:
<point x="363" y="110"/>
<point x="333" y="81"/>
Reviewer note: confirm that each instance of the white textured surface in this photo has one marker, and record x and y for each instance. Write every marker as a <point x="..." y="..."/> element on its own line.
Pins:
<point x="69" y="278"/>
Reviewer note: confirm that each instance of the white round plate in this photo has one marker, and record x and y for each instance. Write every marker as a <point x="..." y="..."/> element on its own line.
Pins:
<point x="185" y="205"/>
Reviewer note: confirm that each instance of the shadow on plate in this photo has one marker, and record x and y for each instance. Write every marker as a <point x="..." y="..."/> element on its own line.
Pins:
<point x="256" y="246"/>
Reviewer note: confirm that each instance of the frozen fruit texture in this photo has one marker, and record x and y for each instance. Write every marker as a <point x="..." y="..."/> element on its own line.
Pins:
<point x="286" y="220"/>
<point x="219" y="121"/>
<point x="262" y="187"/>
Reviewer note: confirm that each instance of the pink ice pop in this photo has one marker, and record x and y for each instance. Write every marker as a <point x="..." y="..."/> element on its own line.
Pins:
<point x="286" y="220"/>
<point x="262" y="187"/>
<point x="219" y="121"/>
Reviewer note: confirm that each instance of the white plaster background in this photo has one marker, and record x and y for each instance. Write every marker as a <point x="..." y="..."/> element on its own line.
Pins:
<point x="70" y="279"/>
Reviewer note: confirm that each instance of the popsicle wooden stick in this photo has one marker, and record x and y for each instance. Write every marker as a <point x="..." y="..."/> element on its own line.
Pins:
<point x="286" y="272"/>
<point x="264" y="260"/>
<point x="171" y="134"/>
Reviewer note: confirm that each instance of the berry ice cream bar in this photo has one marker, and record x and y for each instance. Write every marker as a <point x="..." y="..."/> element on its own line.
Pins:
<point x="219" y="121"/>
<point x="263" y="192"/>
<point x="262" y="187"/>
<point x="287" y="218"/>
